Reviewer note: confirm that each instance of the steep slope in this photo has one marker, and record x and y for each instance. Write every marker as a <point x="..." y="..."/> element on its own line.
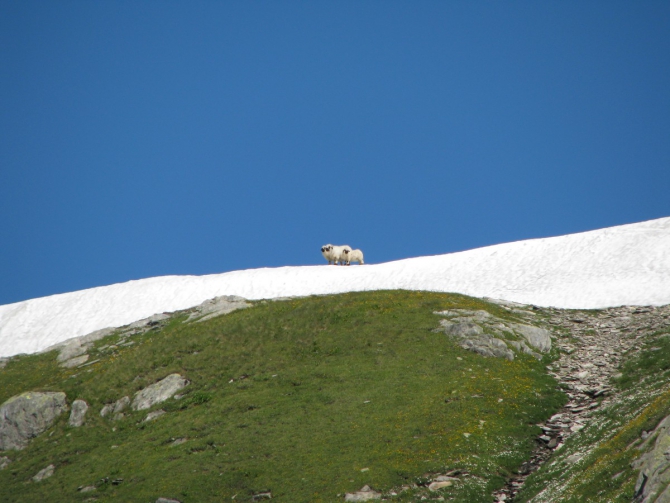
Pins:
<point x="625" y="265"/>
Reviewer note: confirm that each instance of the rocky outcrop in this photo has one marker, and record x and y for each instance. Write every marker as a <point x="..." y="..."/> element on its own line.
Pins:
<point x="25" y="416"/>
<point x="72" y="352"/>
<point x="158" y="392"/>
<point x="217" y="307"/>
<point x="654" y="478"/>
<point x="78" y="413"/>
<point x="481" y="332"/>
<point x="4" y="462"/>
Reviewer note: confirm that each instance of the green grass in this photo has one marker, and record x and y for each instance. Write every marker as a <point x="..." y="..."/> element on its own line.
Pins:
<point x="327" y="394"/>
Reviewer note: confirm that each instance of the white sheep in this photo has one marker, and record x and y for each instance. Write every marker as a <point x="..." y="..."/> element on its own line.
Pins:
<point x="334" y="254"/>
<point x="340" y="253"/>
<point x="327" y="252"/>
<point x="353" y="256"/>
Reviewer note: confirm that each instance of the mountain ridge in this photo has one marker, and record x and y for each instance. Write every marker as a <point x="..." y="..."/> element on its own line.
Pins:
<point x="622" y="265"/>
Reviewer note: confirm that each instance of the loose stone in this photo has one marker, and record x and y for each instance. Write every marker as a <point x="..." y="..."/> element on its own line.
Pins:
<point x="44" y="473"/>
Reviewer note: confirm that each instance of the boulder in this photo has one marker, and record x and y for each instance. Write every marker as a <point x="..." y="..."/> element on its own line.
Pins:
<point x="365" y="494"/>
<point x="4" y="462"/>
<point x="218" y="306"/>
<point x="115" y="408"/>
<point x="45" y="473"/>
<point x="71" y="350"/>
<point x="158" y="392"/>
<point x="25" y="416"/>
<point x="75" y="362"/>
<point x="78" y="413"/>
<point x="437" y="485"/>
<point x="537" y="337"/>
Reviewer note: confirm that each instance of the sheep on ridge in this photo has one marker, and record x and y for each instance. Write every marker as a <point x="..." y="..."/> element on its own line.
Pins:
<point x="327" y="252"/>
<point x="335" y="254"/>
<point x="353" y="256"/>
<point x="339" y="253"/>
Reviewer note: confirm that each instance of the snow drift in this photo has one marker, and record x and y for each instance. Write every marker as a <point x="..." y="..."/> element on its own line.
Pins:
<point x="624" y="265"/>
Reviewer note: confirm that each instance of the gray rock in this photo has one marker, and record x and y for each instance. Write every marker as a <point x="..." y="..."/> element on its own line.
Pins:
<point x="508" y="354"/>
<point x="486" y="345"/>
<point x="537" y="337"/>
<point x="115" y="408"/>
<point x="44" y="473"/>
<point x="574" y="458"/>
<point x="121" y="404"/>
<point x="3" y="362"/>
<point x="652" y="482"/>
<point x="437" y="485"/>
<point x="78" y="413"/>
<point x="25" y="416"/>
<point x="217" y="307"/>
<point x="482" y="350"/>
<point x="75" y="342"/>
<point x="72" y="349"/>
<point x="75" y="362"/>
<point x="151" y="320"/>
<point x="365" y="494"/>
<point x="106" y="409"/>
<point x="154" y="415"/>
<point x="463" y="329"/>
<point x="158" y="392"/>
<point x="97" y="335"/>
<point x="86" y="489"/>
<point x="523" y="348"/>
<point x="167" y="500"/>
<point x="4" y="462"/>
<point x="473" y="337"/>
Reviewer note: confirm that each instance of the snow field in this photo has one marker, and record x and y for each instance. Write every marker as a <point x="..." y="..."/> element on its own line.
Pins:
<point x="624" y="265"/>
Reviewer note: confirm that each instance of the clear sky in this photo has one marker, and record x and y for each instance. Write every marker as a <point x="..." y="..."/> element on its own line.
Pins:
<point x="140" y="139"/>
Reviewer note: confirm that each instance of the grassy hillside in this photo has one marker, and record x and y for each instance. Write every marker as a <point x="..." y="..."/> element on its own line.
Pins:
<point x="308" y="398"/>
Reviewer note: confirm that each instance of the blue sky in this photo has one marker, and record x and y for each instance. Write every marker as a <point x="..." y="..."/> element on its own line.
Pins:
<point x="148" y="138"/>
